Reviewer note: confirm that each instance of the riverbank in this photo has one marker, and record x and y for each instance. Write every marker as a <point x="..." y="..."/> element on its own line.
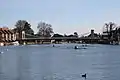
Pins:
<point x="33" y="43"/>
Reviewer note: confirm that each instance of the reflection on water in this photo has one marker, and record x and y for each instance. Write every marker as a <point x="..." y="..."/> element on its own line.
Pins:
<point x="62" y="62"/>
<point x="23" y="65"/>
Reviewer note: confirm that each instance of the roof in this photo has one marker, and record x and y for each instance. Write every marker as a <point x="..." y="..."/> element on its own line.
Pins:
<point x="4" y="28"/>
<point x="1" y="32"/>
<point x="6" y="31"/>
<point x="10" y="31"/>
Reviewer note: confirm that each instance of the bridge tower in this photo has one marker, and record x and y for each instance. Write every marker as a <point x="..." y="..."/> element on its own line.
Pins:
<point x="23" y="34"/>
<point x="20" y="36"/>
<point x="92" y="33"/>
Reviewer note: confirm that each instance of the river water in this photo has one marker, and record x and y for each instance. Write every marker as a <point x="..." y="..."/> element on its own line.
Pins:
<point x="62" y="62"/>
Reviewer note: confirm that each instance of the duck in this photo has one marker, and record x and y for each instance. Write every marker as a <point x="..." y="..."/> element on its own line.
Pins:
<point x="84" y="75"/>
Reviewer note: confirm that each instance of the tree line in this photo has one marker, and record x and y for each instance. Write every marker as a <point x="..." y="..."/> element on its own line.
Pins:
<point x="44" y="29"/>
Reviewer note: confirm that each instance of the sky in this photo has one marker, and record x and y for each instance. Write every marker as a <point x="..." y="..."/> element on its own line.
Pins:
<point x="65" y="16"/>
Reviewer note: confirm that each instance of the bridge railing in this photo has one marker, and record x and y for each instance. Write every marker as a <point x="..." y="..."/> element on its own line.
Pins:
<point x="64" y="37"/>
<point x="39" y="38"/>
<point x="53" y="38"/>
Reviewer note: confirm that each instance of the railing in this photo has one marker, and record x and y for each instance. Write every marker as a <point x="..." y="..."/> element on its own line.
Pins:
<point x="63" y="38"/>
<point x="53" y="38"/>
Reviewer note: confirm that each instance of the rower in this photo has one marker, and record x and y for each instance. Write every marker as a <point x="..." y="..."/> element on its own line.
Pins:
<point x="53" y="45"/>
<point x="76" y="47"/>
<point x="1" y="52"/>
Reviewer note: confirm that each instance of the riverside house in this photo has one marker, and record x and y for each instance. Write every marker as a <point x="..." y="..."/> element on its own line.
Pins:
<point x="6" y="36"/>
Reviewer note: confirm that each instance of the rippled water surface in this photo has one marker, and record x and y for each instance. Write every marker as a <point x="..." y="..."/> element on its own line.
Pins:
<point x="62" y="62"/>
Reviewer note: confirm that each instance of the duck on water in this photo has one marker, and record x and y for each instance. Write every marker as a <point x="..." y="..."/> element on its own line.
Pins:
<point x="84" y="75"/>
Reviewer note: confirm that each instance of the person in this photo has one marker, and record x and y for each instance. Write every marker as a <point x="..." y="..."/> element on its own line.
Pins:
<point x="53" y="45"/>
<point x="84" y="48"/>
<point x="6" y="49"/>
<point x="83" y="45"/>
<point x="1" y="52"/>
<point x="76" y="47"/>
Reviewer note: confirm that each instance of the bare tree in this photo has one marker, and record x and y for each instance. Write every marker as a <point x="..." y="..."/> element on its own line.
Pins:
<point x="45" y="30"/>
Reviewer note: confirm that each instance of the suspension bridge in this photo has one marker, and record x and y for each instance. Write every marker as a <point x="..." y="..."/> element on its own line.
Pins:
<point x="37" y="39"/>
<point x="32" y="37"/>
